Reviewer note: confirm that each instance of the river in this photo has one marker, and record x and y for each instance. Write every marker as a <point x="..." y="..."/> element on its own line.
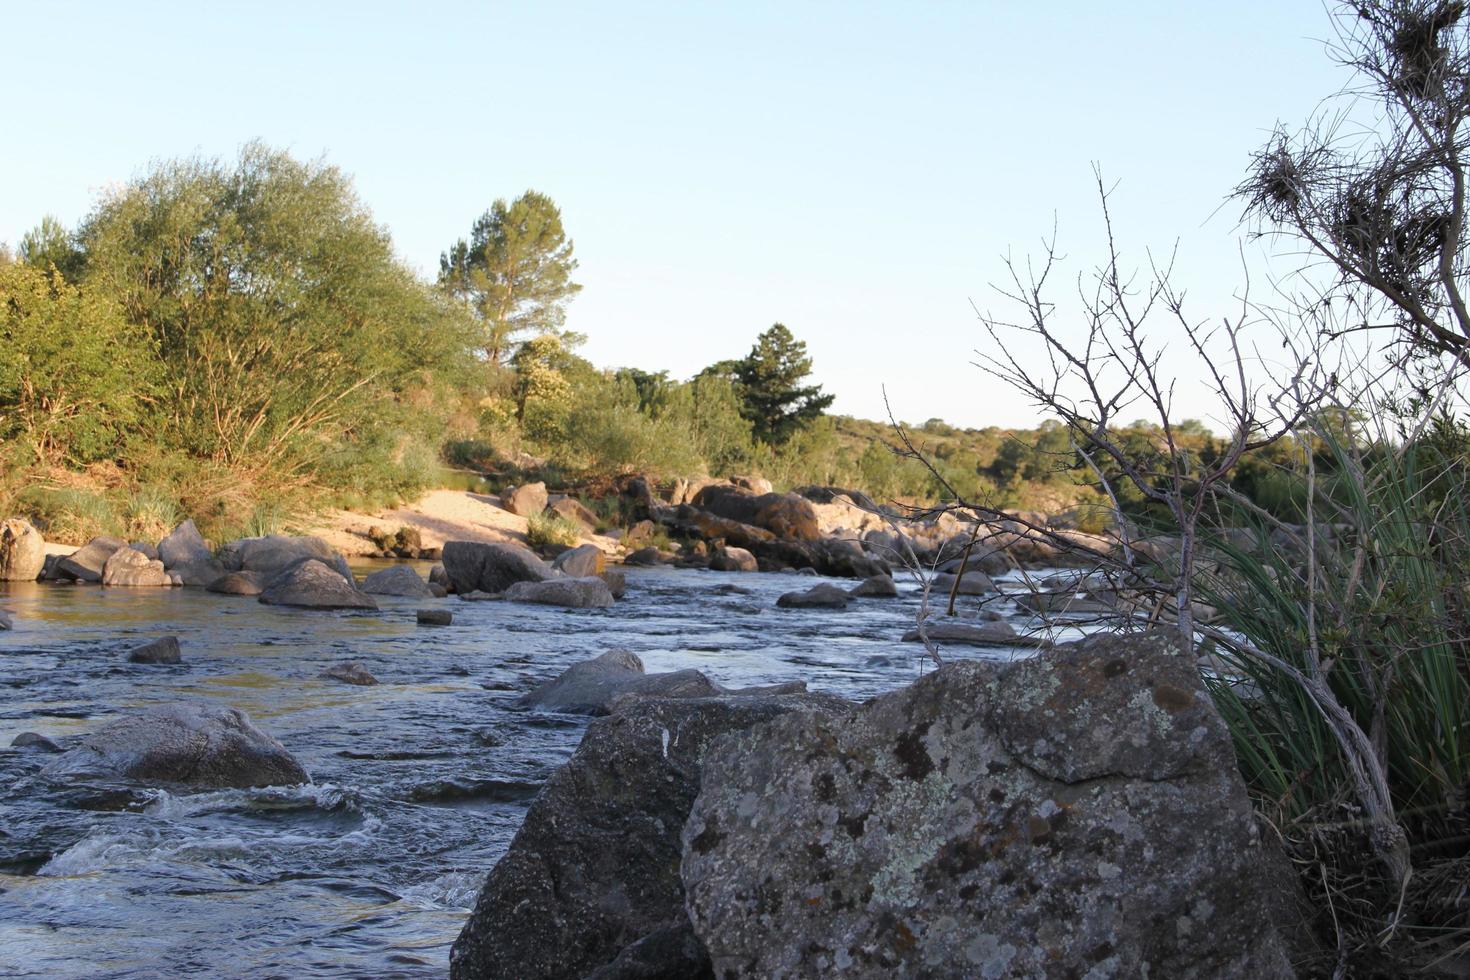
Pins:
<point x="419" y="783"/>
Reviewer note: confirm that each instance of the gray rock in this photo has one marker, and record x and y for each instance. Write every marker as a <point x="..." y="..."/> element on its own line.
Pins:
<point x="581" y="561"/>
<point x="438" y="576"/>
<point x="973" y="582"/>
<point x="51" y="569"/>
<point x="474" y="566"/>
<point x="275" y="554"/>
<point x="184" y="545"/>
<point x="992" y="634"/>
<point x="129" y="568"/>
<point x="822" y="596"/>
<point x="194" y="743"/>
<point x="594" y="869"/>
<point x="645" y="556"/>
<point x="312" y="585"/>
<point x="86" y="563"/>
<point x="1078" y="813"/>
<point x="597" y="686"/>
<point x="732" y="559"/>
<point x="352" y="672"/>
<point x="577" y="593"/>
<point x="22" y="551"/>
<point x="877" y="587"/>
<point x="164" y="650"/>
<point x="617" y="582"/>
<point x="670" y="952"/>
<point x="35" y="742"/>
<point x="145" y="549"/>
<point x="525" y="501"/>
<point x="237" y="583"/>
<point x="399" y="580"/>
<point x="201" y="572"/>
<point x="434" y="617"/>
<point x="573" y="508"/>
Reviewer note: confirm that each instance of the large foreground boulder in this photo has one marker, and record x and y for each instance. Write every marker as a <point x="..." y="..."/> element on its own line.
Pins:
<point x="400" y="580"/>
<point x="476" y="566"/>
<point x="1079" y="813"/>
<point x="590" y="592"/>
<point x="86" y="563"/>
<point x="594" y="868"/>
<point x="22" y="551"/>
<point x="128" y="567"/>
<point x="198" y="744"/>
<point x="312" y="585"/>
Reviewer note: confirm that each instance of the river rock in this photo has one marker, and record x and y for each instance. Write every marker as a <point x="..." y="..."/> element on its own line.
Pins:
<point x="312" y="585"/>
<point x="164" y="650"/>
<point x="275" y="554"/>
<point x="184" y="545"/>
<point x="351" y="672"/>
<point x="199" y="573"/>
<point x="972" y="582"/>
<point x="574" y="509"/>
<point x="434" y="617"/>
<point x="86" y="563"/>
<point x="525" y="501"/>
<point x="237" y="583"/>
<point x="876" y="587"/>
<point x="22" y="551"/>
<point x="587" y="688"/>
<point x="195" y="743"/>
<point x="126" y="567"/>
<point x="732" y="559"/>
<point x="1078" y="813"/>
<point x="645" y="556"/>
<point x="992" y="634"/>
<point x="581" y="561"/>
<point x="438" y="576"/>
<point x="822" y="596"/>
<point x="399" y="580"/>
<point x="617" y="582"/>
<point x="786" y="515"/>
<point x="576" y="593"/>
<point x="594" y="868"/>
<point x="475" y="566"/>
<point x="35" y="742"/>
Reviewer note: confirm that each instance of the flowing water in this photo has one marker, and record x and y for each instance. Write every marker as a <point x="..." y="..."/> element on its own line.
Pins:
<point x="418" y="784"/>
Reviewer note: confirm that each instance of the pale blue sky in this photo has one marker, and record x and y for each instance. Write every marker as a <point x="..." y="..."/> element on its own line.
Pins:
<point x="854" y="170"/>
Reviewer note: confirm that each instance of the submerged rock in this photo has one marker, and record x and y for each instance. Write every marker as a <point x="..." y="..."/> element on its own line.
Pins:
<point x="193" y="743"/>
<point x="817" y="597"/>
<point x="399" y="580"/>
<point x="1075" y="814"/>
<point x="312" y="585"/>
<point x="352" y="672"/>
<point x="594" y="868"/>
<point x="22" y="551"/>
<point x="164" y="650"/>
<point x="475" y="566"/>
<point x="434" y="617"/>
<point x="576" y="593"/>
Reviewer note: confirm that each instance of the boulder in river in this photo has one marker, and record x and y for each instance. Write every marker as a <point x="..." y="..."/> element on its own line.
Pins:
<point x="788" y="516"/>
<point x="312" y="585"/>
<point x="575" y="593"/>
<point x="525" y="501"/>
<point x="592" y="686"/>
<point x="164" y="650"/>
<point x="822" y="596"/>
<point x="434" y="617"/>
<point x="594" y="868"/>
<point x="35" y="742"/>
<point x="127" y="567"/>
<point x="645" y="556"/>
<point x="351" y="672"/>
<point x="581" y="561"/>
<point x="477" y="566"/>
<point x="1079" y="813"/>
<point x="732" y="559"/>
<point x="22" y="551"/>
<point x="194" y="743"/>
<point x="972" y="582"/>
<point x="86" y="563"/>
<point x="184" y="545"/>
<point x="400" y="580"/>
<point x="876" y="587"/>
<point x="276" y="553"/>
<point x="237" y="583"/>
<point x="991" y="634"/>
<point x="199" y="573"/>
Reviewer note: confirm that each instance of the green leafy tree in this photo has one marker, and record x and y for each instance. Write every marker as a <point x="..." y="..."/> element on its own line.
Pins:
<point x="75" y="375"/>
<point x="514" y="272"/>
<point x="769" y="378"/>
<point x="50" y="246"/>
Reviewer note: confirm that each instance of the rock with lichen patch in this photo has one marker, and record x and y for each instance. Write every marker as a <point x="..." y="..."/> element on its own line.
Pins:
<point x="1075" y="814"/>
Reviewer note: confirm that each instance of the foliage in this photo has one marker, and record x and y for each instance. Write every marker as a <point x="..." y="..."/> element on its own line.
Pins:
<point x="514" y="272"/>
<point x="75" y="376"/>
<point x="552" y="532"/>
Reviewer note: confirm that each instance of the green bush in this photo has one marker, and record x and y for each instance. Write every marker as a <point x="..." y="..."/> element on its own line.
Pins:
<point x="552" y="532"/>
<point x="69" y="515"/>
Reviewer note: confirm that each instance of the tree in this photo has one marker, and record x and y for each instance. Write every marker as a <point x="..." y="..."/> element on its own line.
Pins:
<point x="1384" y="205"/>
<point x="50" y="246"/>
<point x="769" y="380"/>
<point x="514" y="272"/>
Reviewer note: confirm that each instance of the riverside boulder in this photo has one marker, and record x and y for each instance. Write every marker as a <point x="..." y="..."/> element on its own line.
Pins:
<point x="525" y="501"/>
<point x="184" y="545"/>
<point x="276" y="553"/>
<point x="475" y="566"/>
<point x="22" y="551"/>
<point x="786" y="515"/>
<point x="590" y="592"/>
<point x="193" y="743"/>
<point x="312" y="585"/>
<point x="87" y="562"/>
<point x="1078" y="813"/>
<point x="581" y="561"/>
<point x="127" y="567"/>
<point x="399" y="580"/>
<point x="594" y="868"/>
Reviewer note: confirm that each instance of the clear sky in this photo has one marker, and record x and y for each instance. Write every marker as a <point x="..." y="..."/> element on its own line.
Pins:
<point x="854" y="170"/>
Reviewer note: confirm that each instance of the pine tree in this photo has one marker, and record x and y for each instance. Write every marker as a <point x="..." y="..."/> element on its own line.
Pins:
<point x="770" y="377"/>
